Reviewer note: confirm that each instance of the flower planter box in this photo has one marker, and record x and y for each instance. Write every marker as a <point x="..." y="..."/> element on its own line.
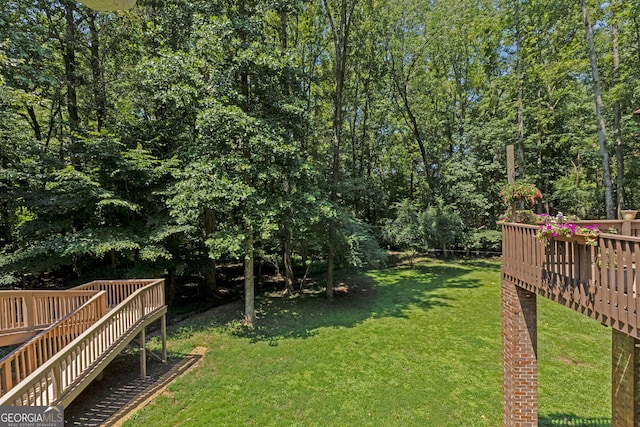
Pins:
<point x="562" y="228"/>
<point x="580" y="239"/>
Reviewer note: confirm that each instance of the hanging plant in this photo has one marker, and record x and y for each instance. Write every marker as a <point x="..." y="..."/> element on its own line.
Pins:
<point x="520" y="191"/>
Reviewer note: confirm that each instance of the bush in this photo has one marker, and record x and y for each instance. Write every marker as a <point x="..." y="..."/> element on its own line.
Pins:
<point x="406" y="231"/>
<point x="486" y="240"/>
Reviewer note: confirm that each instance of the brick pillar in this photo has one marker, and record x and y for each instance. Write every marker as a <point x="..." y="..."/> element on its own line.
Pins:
<point x="519" y="357"/>
<point x="625" y="380"/>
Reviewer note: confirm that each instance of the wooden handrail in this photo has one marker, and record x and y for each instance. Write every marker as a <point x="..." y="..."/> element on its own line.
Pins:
<point x="24" y="360"/>
<point x="65" y="372"/>
<point x="32" y="310"/>
<point x="23" y="314"/>
<point x="598" y="281"/>
<point x="117" y="290"/>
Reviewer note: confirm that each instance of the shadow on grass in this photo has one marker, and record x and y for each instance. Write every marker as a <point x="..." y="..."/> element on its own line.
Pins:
<point x="555" y="420"/>
<point x="385" y="293"/>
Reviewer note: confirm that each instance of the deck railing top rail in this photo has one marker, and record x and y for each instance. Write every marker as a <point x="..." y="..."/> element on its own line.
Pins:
<point x="599" y="281"/>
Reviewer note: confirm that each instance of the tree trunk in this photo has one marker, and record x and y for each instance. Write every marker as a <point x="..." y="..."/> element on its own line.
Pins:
<point x="520" y="84"/>
<point x="358" y="202"/>
<point x="304" y="255"/>
<point x="340" y="29"/>
<point x="172" y="284"/>
<point x="209" y="229"/>
<point x="415" y="128"/>
<point x="249" y="290"/>
<point x="353" y="125"/>
<point x="35" y="125"/>
<point x="412" y="180"/>
<point x="69" y="57"/>
<point x="283" y="28"/>
<point x="289" y="277"/>
<point x="99" y="92"/>
<point x="337" y="138"/>
<point x="6" y="236"/>
<point x="602" y="136"/>
<point x="617" y="119"/>
<point x="330" y="258"/>
<point x="401" y="83"/>
<point x="244" y="76"/>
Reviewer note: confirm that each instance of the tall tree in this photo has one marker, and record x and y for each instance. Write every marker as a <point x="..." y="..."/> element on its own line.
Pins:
<point x="617" y="118"/>
<point x="597" y="92"/>
<point x="340" y="17"/>
<point x="248" y="124"/>
<point x="520" y="83"/>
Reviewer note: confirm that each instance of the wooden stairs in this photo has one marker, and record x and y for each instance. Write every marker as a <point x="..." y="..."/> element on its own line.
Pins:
<point x="69" y="337"/>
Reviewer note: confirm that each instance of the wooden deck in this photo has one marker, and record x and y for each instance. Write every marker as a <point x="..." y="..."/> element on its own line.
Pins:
<point x="71" y="336"/>
<point x="598" y="281"/>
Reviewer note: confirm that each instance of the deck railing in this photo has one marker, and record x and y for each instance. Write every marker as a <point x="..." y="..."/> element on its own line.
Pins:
<point x="23" y="313"/>
<point x="61" y="377"/>
<point x="117" y="290"/>
<point x="599" y="281"/>
<point x="24" y="360"/>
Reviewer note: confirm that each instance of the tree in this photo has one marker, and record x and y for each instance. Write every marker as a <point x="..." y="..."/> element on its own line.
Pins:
<point x="246" y="147"/>
<point x="340" y="19"/>
<point x="406" y="231"/>
<point x="597" y="92"/>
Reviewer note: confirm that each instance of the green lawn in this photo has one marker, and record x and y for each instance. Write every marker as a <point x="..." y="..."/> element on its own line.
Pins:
<point x="404" y="347"/>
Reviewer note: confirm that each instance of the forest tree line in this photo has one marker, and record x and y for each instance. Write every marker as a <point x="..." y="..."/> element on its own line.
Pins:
<point x="183" y="135"/>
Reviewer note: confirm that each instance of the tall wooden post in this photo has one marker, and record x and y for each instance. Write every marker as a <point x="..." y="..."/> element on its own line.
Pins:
<point x="511" y="165"/>
<point x="511" y="178"/>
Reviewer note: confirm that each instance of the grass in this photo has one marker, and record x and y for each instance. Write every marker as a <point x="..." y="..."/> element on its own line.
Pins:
<point x="404" y="346"/>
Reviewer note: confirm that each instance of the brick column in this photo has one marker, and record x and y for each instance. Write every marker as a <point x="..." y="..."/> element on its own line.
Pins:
<point x="625" y="380"/>
<point x="519" y="357"/>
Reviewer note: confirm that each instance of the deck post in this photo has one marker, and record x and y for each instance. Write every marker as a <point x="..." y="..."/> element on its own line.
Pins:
<point x="163" y="332"/>
<point x="143" y="354"/>
<point x="519" y="357"/>
<point x="29" y="308"/>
